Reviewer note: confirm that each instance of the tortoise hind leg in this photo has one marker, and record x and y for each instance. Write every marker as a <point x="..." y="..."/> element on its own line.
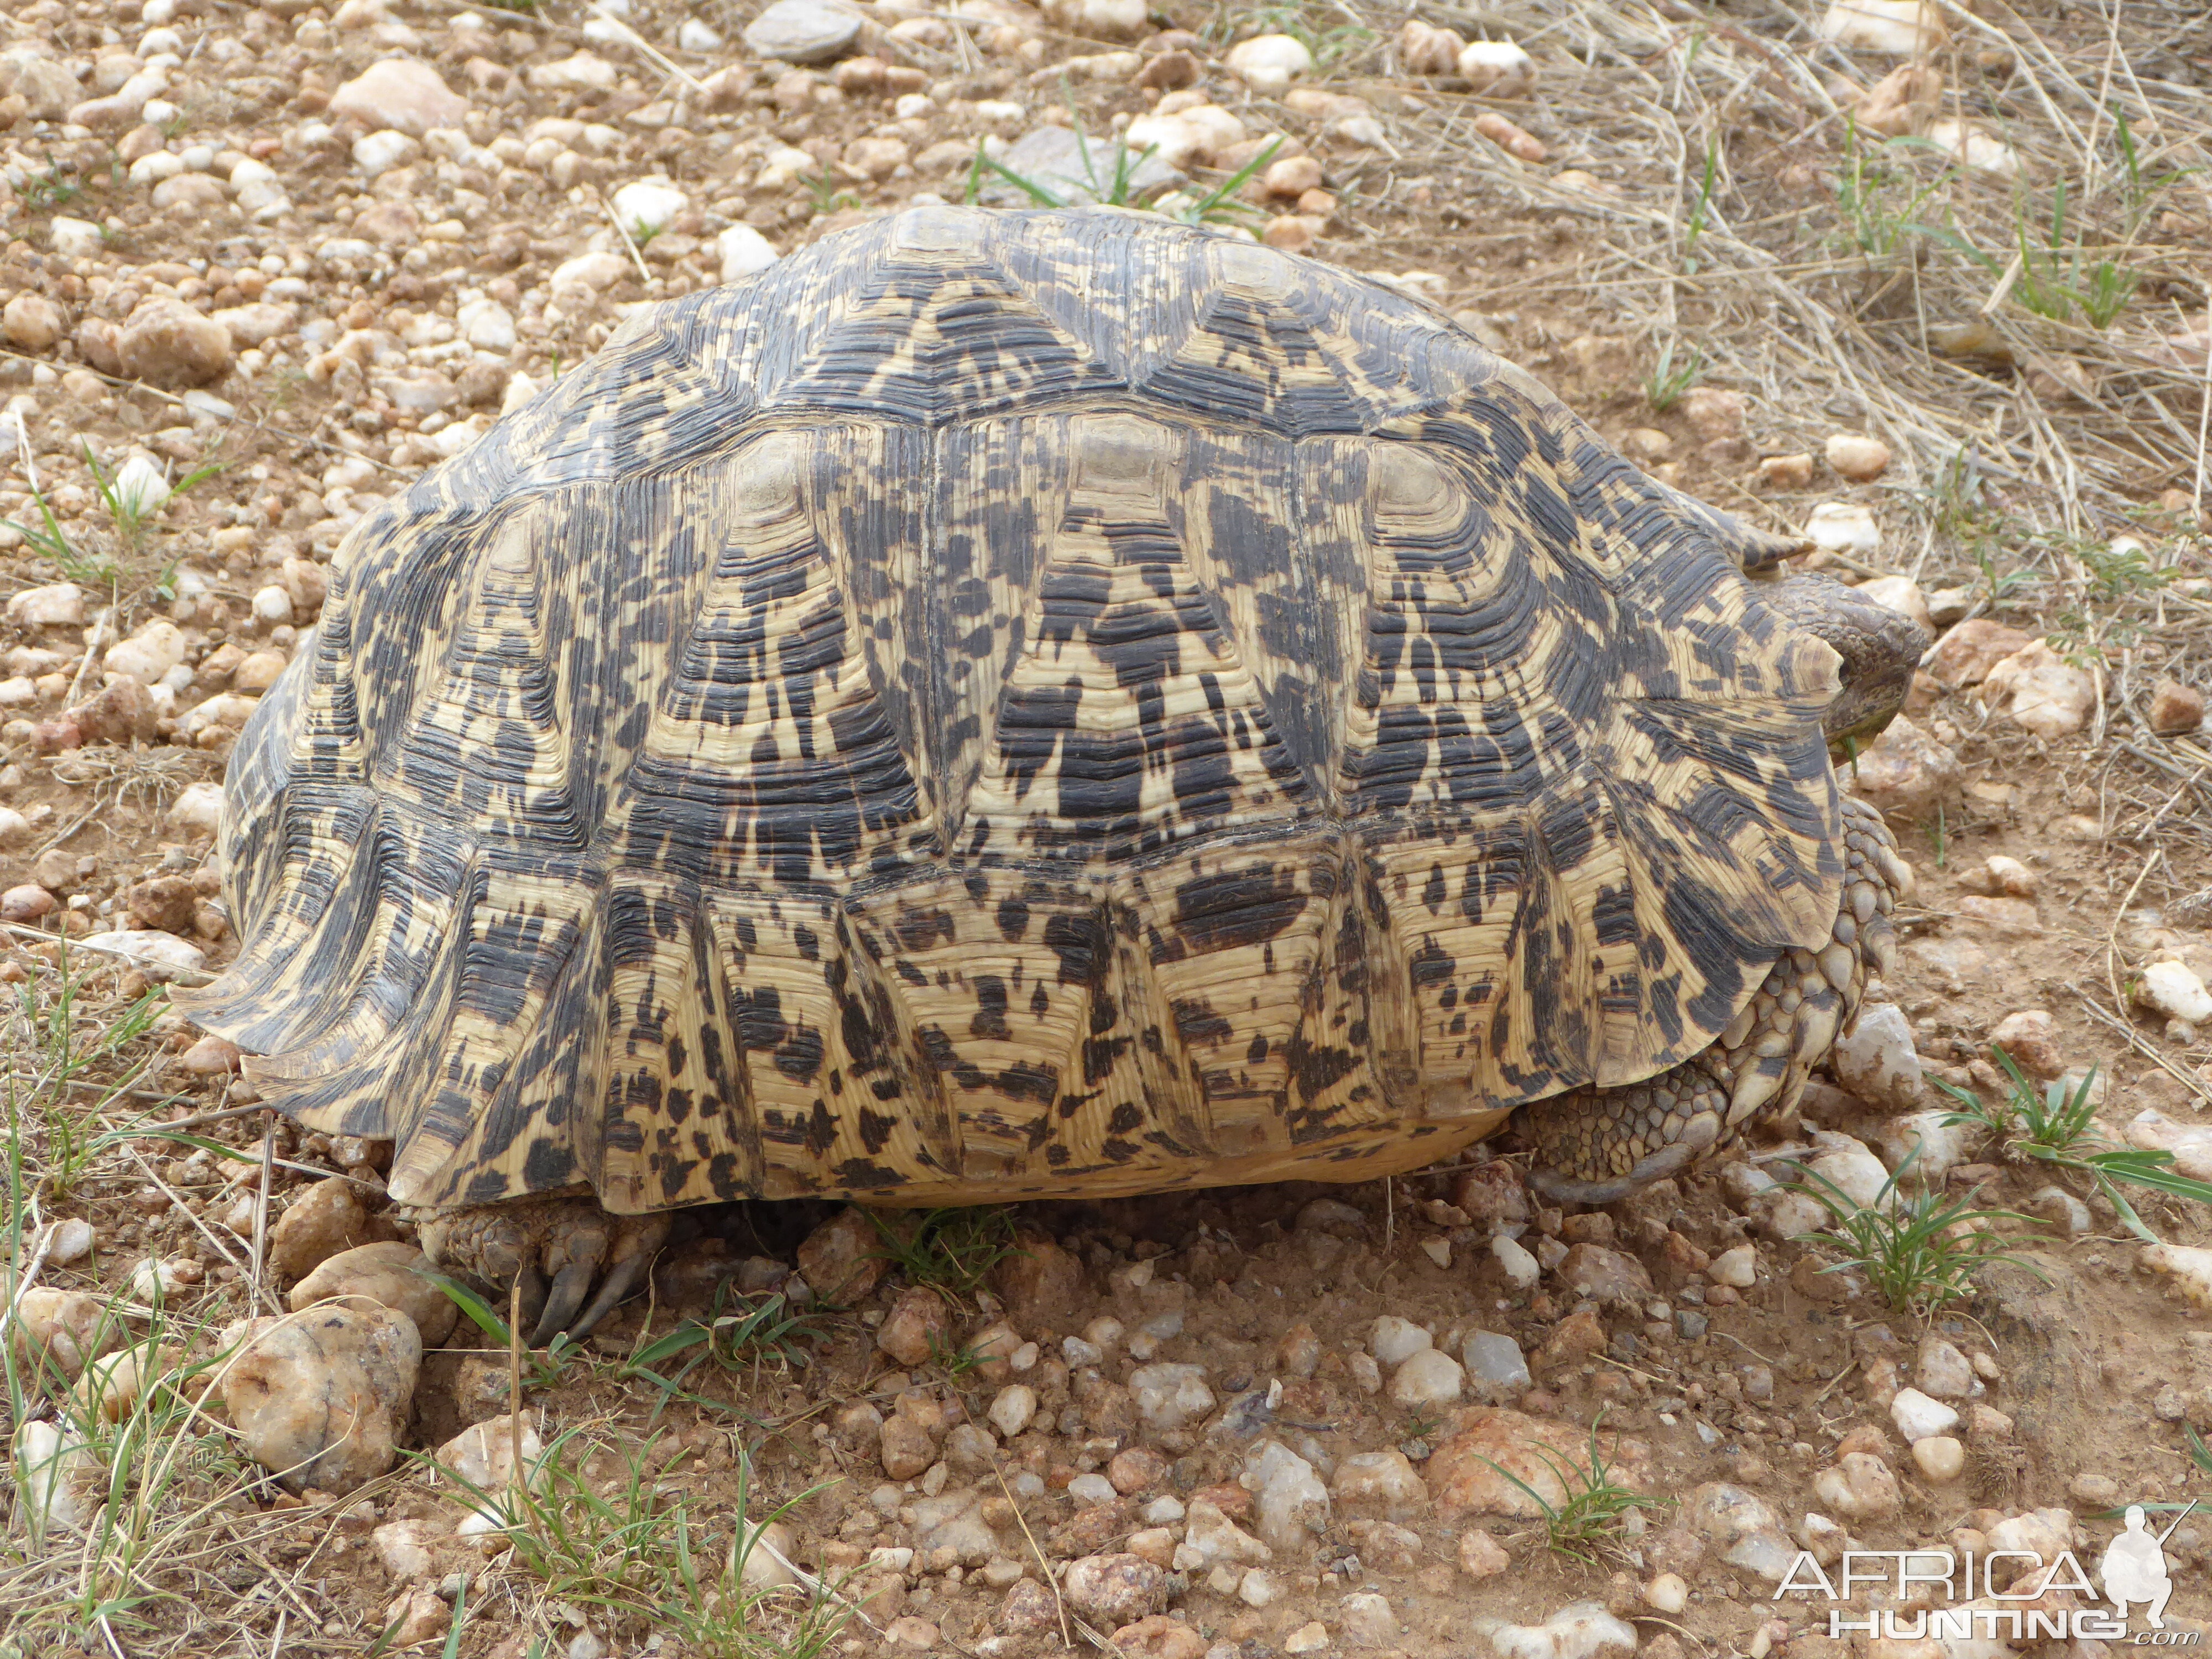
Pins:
<point x="1595" y="1145"/>
<point x="572" y="1261"/>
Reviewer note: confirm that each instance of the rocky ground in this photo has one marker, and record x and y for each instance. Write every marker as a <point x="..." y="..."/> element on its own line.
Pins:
<point x="265" y="264"/>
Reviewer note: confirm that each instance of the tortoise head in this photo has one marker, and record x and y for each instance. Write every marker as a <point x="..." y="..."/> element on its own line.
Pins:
<point x="1881" y="647"/>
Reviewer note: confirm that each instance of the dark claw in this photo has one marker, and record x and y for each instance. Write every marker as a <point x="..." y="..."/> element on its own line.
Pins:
<point x="570" y="1286"/>
<point x="531" y="1283"/>
<point x="619" y="1284"/>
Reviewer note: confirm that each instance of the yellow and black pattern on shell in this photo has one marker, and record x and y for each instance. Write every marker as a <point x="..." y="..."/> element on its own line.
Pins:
<point x="1005" y="705"/>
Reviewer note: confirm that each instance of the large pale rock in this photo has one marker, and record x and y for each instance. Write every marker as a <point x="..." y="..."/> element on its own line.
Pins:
<point x="324" y="1220"/>
<point x="55" y="604"/>
<point x="1582" y="1630"/>
<point x="58" y="1479"/>
<point x="2041" y="692"/>
<point x="483" y="1454"/>
<point x="1462" y="1481"/>
<point x="1269" y="62"/>
<point x="390" y="1274"/>
<point x="1114" y="1590"/>
<point x="843" y="1259"/>
<point x="320" y="1398"/>
<point x="1290" y="1503"/>
<point x="1899" y="28"/>
<point x="1965" y="655"/>
<point x="401" y="95"/>
<point x="1384" y="1483"/>
<point x="1098" y="20"/>
<point x="1210" y="1539"/>
<point x="1860" y="1487"/>
<point x="66" y="1328"/>
<point x="167" y="343"/>
<point x="1876" y="1061"/>
<point x="1906" y="775"/>
<point x="2173" y="988"/>
<point x="804" y="31"/>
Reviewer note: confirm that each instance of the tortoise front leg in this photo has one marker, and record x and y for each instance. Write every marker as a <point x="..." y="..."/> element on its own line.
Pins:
<point x="1595" y="1145"/>
<point x="556" y="1251"/>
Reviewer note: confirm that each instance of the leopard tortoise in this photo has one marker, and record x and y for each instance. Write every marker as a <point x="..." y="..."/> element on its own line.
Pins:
<point x="1040" y="704"/>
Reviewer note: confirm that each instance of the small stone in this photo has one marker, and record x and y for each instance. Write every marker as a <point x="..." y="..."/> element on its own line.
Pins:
<point x="1521" y="1269"/>
<point x="1158" y="1635"/>
<point x="1918" y="1417"/>
<point x="1862" y="459"/>
<point x="1424" y="49"/>
<point x="2031" y="1038"/>
<point x="1739" y="1528"/>
<point x="906" y="1631"/>
<point x="389" y="1274"/>
<point x="2095" y="1491"/>
<point x="75" y="239"/>
<point x="1965" y="655"/>
<point x="1666" y="1593"/>
<point x="954" y="1524"/>
<point x="1475" y="1470"/>
<point x="1941" y="1458"/>
<point x="1014" y="1409"/>
<point x="1428" y="1378"/>
<point x="68" y="1328"/>
<point x="1210" y="1539"/>
<point x="32" y="322"/>
<point x="402" y="95"/>
<point x="1859" y="1488"/>
<point x="320" y="1398"/>
<point x="1289" y="1501"/>
<point x="2173" y="989"/>
<point x="1269" y="62"/>
<point x="919" y="1325"/>
<point x="1606" y="1276"/>
<point x="1903" y="103"/>
<point x="1784" y="472"/>
<point x="167" y="343"/>
<point x="55" y="604"/>
<point x="1384" y="1483"/>
<point x="906" y="1446"/>
<point x="1480" y="1555"/>
<point x="1582" y="1630"/>
<point x="1737" y="1267"/>
<point x="1496" y="1368"/>
<point x="482" y="1455"/>
<point x="1903" y="28"/>
<point x="1366" y="1620"/>
<point x="742" y="251"/>
<point x="2041" y="692"/>
<point x="1098" y="20"/>
<point x="1169" y="1396"/>
<point x="1844" y="527"/>
<point x="1905" y="775"/>
<point x="843" y="1258"/>
<point x="69" y="1242"/>
<point x="1114" y="1590"/>
<point x="1307" y="1638"/>
<point x="1497" y="69"/>
<point x="1039" y="1283"/>
<point x="325" y="1218"/>
<point x="402" y="1548"/>
<point x="26" y="902"/>
<point x="804" y="31"/>
<point x="2175" y="709"/>
<point x="58" y="1479"/>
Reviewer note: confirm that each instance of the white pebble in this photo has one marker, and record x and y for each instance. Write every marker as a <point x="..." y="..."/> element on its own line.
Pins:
<point x="1522" y="1270"/>
<point x="1394" y="1340"/>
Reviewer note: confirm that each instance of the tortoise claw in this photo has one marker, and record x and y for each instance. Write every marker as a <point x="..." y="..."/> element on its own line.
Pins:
<point x="570" y="1286"/>
<point x="619" y="1284"/>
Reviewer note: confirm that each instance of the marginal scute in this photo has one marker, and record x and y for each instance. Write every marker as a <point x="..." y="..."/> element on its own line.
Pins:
<point x="1007" y="705"/>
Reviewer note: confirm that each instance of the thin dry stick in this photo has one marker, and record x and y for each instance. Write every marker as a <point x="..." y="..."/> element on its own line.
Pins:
<point x="628" y="241"/>
<point x="2112" y="932"/>
<point x="261" y="1201"/>
<point x="516" y="1489"/>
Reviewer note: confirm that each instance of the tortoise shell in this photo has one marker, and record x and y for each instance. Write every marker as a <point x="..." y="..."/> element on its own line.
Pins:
<point x="1006" y="704"/>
